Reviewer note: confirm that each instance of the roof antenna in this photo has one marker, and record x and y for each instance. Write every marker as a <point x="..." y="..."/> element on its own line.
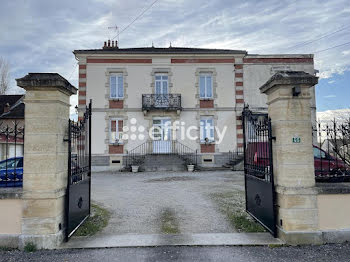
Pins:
<point x="152" y="44"/>
<point x="115" y="29"/>
<point x="170" y="45"/>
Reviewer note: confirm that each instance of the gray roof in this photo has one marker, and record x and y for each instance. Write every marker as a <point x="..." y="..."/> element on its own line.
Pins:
<point x="160" y="50"/>
<point x="16" y="106"/>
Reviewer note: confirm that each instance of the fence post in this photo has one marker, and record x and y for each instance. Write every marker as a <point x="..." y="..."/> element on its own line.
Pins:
<point x="288" y="96"/>
<point x="45" y="158"/>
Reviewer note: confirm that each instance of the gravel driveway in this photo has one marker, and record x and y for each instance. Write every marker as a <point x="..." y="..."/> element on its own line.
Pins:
<point x="140" y="201"/>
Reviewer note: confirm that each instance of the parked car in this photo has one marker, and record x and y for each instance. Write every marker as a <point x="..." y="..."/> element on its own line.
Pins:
<point x="327" y="167"/>
<point x="11" y="172"/>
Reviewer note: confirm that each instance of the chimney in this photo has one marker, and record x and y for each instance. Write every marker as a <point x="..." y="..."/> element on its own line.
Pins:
<point x="105" y="44"/>
<point x="116" y="44"/>
<point x="112" y="43"/>
<point x="6" y="108"/>
<point x="109" y="43"/>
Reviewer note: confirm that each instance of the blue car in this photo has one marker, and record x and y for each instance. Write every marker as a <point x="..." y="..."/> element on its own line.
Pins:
<point x="11" y="172"/>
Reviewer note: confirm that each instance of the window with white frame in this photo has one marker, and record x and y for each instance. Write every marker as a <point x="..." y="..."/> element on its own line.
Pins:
<point x="161" y="84"/>
<point x="206" y="86"/>
<point x="207" y="129"/>
<point x="116" y="84"/>
<point x="116" y="131"/>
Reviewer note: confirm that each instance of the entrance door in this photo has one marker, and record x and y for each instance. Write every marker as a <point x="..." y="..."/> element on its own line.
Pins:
<point x="161" y="91"/>
<point x="162" y="135"/>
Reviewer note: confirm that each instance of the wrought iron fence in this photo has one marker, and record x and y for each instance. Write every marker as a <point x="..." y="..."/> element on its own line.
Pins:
<point x="257" y="147"/>
<point x="11" y="153"/>
<point x="332" y="151"/>
<point x="161" y="101"/>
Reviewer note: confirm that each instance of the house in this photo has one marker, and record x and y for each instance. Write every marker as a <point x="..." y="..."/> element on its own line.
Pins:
<point x="154" y="101"/>
<point x="11" y="116"/>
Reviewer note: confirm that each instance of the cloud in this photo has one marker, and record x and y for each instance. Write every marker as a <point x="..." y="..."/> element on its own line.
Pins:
<point x="331" y="81"/>
<point x="39" y="36"/>
<point x="330" y="96"/>
<point x="330" y="115"/>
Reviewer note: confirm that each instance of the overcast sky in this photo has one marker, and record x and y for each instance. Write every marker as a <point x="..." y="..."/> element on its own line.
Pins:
<point x="40" y="35"/>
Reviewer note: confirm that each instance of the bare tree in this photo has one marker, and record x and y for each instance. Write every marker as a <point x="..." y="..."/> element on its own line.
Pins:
<point x="4" y="76"/>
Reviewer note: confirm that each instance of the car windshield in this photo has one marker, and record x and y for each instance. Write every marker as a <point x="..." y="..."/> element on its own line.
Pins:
<point x="12" y="163"/>
<point x="318" y="153"/>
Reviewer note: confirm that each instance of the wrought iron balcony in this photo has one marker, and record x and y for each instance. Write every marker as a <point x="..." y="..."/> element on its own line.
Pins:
<point x="161" y="101"/>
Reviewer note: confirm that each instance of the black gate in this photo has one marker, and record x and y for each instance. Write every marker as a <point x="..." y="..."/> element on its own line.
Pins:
<point x="258" y="169"/>
<point x="79" y="173"/>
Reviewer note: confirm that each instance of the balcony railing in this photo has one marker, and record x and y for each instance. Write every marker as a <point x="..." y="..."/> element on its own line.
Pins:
<point x="163" y="102"/>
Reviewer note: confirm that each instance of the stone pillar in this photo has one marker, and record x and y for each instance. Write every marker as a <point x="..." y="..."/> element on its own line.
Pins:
<point x="288" y="96"/>
<point x="45" y="158"/>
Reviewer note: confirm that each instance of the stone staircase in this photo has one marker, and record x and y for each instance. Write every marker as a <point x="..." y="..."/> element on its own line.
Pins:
<point x="163" y="162"/>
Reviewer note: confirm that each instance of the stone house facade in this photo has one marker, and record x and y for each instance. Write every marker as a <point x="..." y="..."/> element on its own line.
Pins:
<point x="141" y="91"/>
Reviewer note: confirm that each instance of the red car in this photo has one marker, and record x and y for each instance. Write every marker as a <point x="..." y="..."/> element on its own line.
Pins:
<point x="327" y="167"/>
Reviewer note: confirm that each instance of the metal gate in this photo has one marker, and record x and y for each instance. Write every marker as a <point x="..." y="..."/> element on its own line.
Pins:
<point x="79" y="173"/>
<point x="258" y="169"/>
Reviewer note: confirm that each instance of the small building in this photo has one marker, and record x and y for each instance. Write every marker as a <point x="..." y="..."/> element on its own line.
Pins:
<point x="11" y="118"/>
<point x="160" y="98"/>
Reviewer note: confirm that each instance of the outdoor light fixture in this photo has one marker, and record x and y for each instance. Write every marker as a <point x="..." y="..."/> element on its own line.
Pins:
<point x="296" y="90"/>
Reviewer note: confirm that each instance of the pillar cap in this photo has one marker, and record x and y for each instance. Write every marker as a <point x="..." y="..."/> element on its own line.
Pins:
<point x="291" y="78"/>
<point x="46" y="80"/>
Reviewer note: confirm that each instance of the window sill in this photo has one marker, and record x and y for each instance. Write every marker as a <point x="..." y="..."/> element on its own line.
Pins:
<point x="116" y="99"/>
<point x="206" y="99"/>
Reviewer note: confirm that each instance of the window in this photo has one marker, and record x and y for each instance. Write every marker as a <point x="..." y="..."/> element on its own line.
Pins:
<point x="207" y="129"/>
<point x="161" y="84"/>
<point x="116" y="86"/>
<point x="206" y="86"/>
<point x="116" y="131"/>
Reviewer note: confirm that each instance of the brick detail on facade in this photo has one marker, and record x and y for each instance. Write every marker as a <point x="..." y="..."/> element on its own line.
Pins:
<point x="209" y="148"/>
<point x="201" y="60"/>
<point x="119" y="61"/>
<point x="82" y="84"/>
<point x="82" y="66"/>
<point x="206" y="103"/>
<point x="82" y="102"/>
<point x="239" y="102"/>
<point x="82" y="75"/>
<point x="116" y="104"/>
<point x="278" y="60"/>
<point x="82" y="93"/>
<point x="116" y="149"/>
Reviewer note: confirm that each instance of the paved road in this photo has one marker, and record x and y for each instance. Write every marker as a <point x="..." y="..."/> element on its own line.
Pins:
<point x="137" y="200"/>
<point x="324" y="253"/>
